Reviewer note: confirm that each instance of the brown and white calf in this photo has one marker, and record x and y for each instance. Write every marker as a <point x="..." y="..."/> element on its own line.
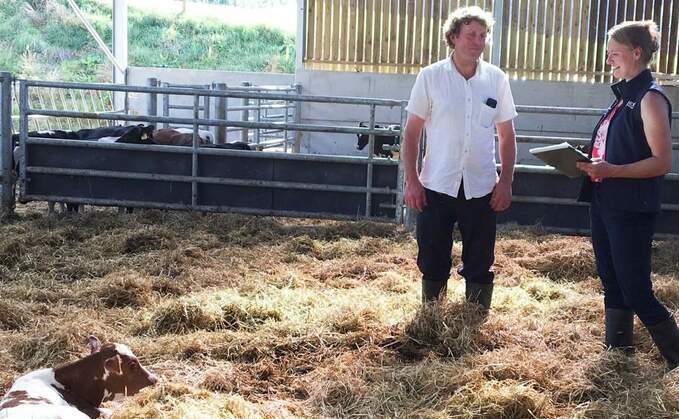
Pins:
<point x="181" y="136"/>
<point x="77" y="389"/>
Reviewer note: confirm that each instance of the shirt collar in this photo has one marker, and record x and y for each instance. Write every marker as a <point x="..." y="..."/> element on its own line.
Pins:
<point x="625" y="89"/>
<point x="451" y="67"/>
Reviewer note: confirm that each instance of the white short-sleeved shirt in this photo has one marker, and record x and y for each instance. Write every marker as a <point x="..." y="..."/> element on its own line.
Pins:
<point x="460" y="126"/>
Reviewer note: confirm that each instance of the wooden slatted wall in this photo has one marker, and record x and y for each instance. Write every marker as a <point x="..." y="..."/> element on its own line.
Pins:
<point x="389" y="36"/>
<point x="541" y="39"/>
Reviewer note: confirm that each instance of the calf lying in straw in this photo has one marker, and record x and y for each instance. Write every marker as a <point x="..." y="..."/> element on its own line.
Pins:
<point x="77" y="389"/>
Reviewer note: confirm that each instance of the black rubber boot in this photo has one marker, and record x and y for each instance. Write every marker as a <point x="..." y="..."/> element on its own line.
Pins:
<point x="432" y="290"/>
<point x="479" y="293"/>
<point x="620" y="329"/>
<point x="666" y="337"/>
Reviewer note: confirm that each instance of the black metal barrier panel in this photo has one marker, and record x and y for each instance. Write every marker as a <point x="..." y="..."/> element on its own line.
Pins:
<point x="550" y="199"/>
<point x="227" y="180"/>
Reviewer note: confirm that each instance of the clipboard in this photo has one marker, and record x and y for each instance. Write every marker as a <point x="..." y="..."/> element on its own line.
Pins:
<point x="562" y="157"/>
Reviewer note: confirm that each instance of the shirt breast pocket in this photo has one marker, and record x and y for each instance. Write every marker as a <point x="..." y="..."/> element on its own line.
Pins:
<point x="487" y="116"/>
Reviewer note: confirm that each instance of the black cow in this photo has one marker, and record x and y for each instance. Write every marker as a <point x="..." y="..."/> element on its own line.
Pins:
<point x="380" y="140"/>
<point x="236" y="145"/>
<point x="136" y="134"/>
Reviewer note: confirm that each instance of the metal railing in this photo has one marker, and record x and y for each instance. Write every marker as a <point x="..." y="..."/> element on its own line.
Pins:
<point x="195" y="121"/>
<point x="255" y="110"/>
<point x="81" y="100"/>
<point x="6" y="180"/>
<point x="541" y="169"/>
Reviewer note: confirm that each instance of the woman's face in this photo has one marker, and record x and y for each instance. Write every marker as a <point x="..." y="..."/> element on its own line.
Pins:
<point x="624" y="60"/>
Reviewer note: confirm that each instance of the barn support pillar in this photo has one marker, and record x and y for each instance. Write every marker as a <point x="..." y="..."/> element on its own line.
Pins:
<point x="498" y="15"/>
<point x="301" y="36"/>
<point x="120" y="52"/>
<point x="6" y="149"/>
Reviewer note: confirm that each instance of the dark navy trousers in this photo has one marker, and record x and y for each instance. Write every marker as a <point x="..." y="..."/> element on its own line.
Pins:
<point x="622" y="247"/>
<point x="477" y="223"/>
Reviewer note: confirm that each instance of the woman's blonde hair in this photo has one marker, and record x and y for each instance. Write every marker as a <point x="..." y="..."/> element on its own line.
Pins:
<point x="464" y="16"/>
<point x="642" y="34"/>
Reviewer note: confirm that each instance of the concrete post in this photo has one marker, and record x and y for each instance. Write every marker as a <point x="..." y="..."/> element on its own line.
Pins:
<point x="152" y="109"/>
<point x="297" y="146"/>
<point x="166" y="105"/>
<point x="245" y="116"/>
<point x="220" y="109"/>
<point x="6" y="147"/>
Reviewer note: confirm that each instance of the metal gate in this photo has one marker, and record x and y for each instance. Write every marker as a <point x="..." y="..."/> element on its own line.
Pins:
<point x="7" y="181"/>
<point x="209" y="178"/>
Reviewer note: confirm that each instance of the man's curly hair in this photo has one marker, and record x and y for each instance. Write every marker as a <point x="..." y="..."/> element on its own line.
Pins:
<point x="464" y="16"/>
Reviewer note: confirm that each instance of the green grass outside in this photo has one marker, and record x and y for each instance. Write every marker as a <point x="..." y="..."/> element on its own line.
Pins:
<point x="44" y="39"/>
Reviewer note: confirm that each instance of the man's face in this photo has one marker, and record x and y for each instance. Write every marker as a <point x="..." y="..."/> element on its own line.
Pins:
<point x="471" y="40"/>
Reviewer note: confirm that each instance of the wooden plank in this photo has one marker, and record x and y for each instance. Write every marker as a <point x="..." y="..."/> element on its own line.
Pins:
<point x="673" y="42"/>
<point x="385" y="30"/>
<point x="335" y="31"/>
<point x="538" y="37"/>
<point x="587" y="37"/>
<point x="638" y="10"/>
<point x="375" y="31"/>
<point x="352" y="14"/>
<point x="436" y="44"/>
<point x="594" y="35"/>
<point x="369" y="31"/>
<point x="360" y="30"/>
<point x="425" y="41"/>
<point x="570" y="21"/>
<point x="402" y="31"/>
<point x="409" y="32"/>
<point x="523" y="27"/>
<point x="393" y="31"/>
<point x="326" y="30"/>
<point x="445" y="11"/>
<point x="341" y="48"/>
<point x="582" y="18"/>
<point x="417" y="33"/>
<point x="663" y="24"/>
<point x="351" y="29"/>
<point x="510" y="35"/>
<point x="547" y="39"/>
<point x="309" y="52"/>
<point x="648" y="9"/>
<point x="535" y="40"/>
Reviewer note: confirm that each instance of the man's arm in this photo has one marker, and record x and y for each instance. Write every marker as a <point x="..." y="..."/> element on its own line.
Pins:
<point x="502" y="194"/>
<point x="414" y="196"/>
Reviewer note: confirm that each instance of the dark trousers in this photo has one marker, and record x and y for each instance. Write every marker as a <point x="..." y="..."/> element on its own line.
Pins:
<point x="477" y="223"/>
<point x="622" y="247"/>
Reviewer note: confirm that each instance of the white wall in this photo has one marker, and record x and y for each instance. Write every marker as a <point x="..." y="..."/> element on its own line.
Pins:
<point x="526" y="92"/>
<point x="138" y="76"/>
<point x="394" y="86"/>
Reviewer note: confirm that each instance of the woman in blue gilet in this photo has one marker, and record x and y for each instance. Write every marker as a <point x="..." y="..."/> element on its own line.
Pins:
<point x="631" y="150"/>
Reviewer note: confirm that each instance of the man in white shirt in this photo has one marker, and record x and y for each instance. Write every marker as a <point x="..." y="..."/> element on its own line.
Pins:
<point x="460" y="101"/>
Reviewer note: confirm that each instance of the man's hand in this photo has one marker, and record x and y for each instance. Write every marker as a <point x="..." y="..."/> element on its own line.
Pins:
<point x="414" y="196"/>
<point x="501" y="198"/>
